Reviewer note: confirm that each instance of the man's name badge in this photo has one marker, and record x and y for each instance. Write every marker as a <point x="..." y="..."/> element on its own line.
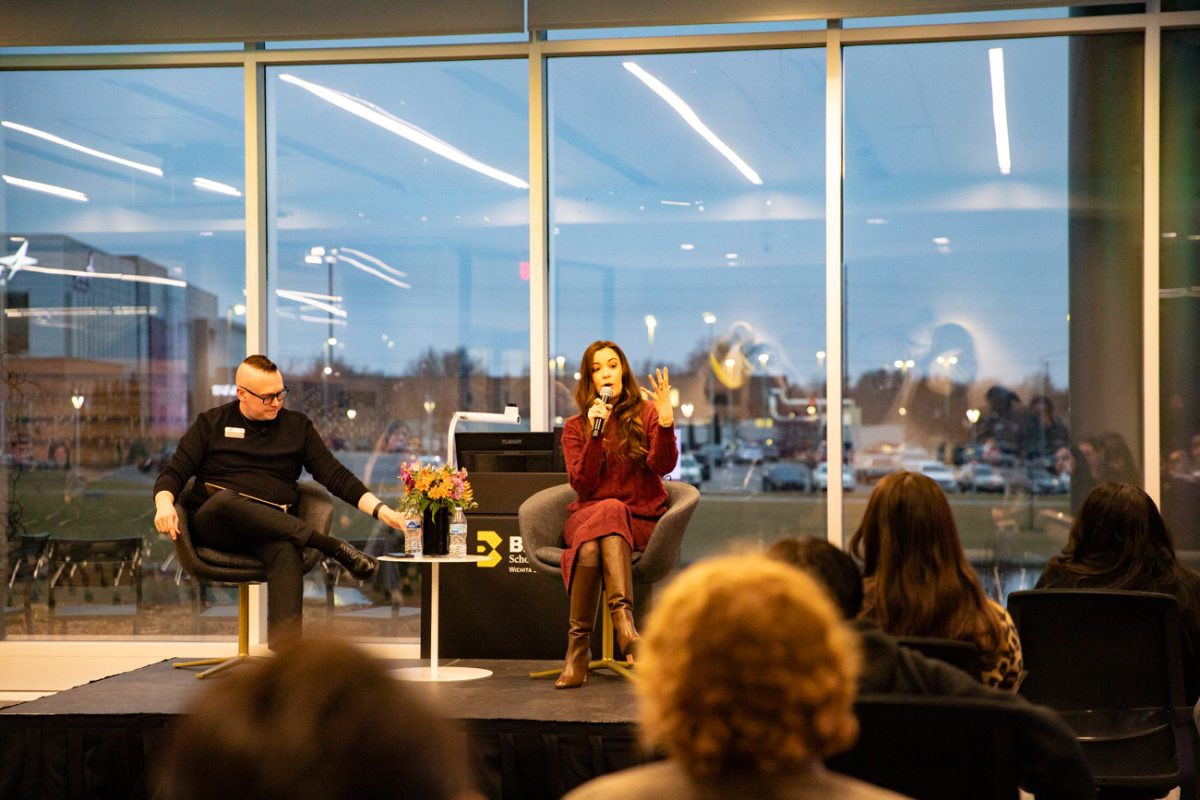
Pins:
<point x="235" y="433"/>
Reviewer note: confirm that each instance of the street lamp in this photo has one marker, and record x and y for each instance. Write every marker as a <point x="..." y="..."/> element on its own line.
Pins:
<point x="429" y="406"/>
<point x="77" y="402"/>
<point x="651" y="323"/>
<point x="972" y="417"/>
<point x="710" y="319"/>
<point x="688" y="409"/>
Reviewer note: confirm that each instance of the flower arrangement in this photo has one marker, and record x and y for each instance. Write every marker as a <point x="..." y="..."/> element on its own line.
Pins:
<point x="433" y="488"/>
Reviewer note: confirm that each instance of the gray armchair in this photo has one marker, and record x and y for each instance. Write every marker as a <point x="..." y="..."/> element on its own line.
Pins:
<point x="542" y="517"/>
<point x="206" y="564"/>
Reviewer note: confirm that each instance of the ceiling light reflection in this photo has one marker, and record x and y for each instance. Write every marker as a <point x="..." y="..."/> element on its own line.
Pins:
<point x="378" y="116"/>
<point x="215" y="186"/>
<point x="50" y="137"/>
<point x="112" y="276"/>
<point x="692" y="119"/>
<point x="1000" y="109"/>
<point x="47" y="188"/>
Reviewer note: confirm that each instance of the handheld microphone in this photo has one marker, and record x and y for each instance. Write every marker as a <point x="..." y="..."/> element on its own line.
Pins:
<point x="598" y="424"/>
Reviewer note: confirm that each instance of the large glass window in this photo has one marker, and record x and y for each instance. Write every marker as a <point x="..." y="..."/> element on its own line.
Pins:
<point x="399" y="274"/>
<point x="992" y="193"/>
<point x="687" y="220"/>
<point x="1180" y="291"/>
<point x="122" y="318"/>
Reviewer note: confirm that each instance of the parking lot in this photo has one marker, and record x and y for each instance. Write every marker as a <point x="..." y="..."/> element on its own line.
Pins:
<point x="734" y="510"/>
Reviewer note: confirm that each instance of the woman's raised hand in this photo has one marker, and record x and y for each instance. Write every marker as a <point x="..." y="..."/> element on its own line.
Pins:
<point x="660" y="395"/>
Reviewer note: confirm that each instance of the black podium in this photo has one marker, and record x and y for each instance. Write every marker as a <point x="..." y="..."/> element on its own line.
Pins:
<point x="501" y="607"/>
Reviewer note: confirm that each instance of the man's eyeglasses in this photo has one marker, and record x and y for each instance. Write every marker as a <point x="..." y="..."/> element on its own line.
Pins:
<point x="268" y="399"/>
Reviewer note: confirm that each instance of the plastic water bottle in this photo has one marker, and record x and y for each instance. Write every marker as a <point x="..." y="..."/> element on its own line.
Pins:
<point x="413" y="533"/>
<point x="458" y="534"/>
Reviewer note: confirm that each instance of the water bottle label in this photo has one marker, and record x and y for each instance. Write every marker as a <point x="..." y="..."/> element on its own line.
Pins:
<point x="458" y="540"/>
<point x="413" y="539"/>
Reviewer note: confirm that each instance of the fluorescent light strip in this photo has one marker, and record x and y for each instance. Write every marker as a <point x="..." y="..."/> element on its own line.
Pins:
<point x="321" y="320"/>
<point x="304" y="299"/>
<point x="372" y="271"/>
<point x="107" y="276"/>
<point x="50" y="137"/>
<point x="378" y="116"/>
<point x="332" y="298"/>
<point x="1000" y="109"/>
<point x="47" y="188"/>
<point x="378" y="262"/>
<point x="215" y="186"/>
<point x="82" y="311"/>
<point x="693" y="119"/>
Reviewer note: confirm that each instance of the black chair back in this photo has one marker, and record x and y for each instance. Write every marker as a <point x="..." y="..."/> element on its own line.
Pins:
<point x="1110" y="663"/>
<point x="936" y="748"/>
<point x="956" y="653"/>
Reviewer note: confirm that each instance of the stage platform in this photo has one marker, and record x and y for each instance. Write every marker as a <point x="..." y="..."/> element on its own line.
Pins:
<point x="528" y="740"/>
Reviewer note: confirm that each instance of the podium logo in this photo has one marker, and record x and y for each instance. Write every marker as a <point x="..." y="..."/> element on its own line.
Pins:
<point x="488" y="544"/>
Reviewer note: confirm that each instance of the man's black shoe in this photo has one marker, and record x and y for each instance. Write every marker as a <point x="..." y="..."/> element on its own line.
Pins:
<point x="356" y="562"/>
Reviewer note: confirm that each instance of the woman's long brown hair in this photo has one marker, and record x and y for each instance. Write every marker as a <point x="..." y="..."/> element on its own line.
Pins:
<point x="1120" y="541"/>
<point x="630" y="433"/>
<point x="918" y="581"/>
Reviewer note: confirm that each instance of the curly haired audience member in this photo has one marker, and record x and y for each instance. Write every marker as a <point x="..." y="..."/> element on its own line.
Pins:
<point x="917" y="581"/>
<point x="1119" y="541"/>
<point x="746" y="680"/>
<point x="321" y="721"/>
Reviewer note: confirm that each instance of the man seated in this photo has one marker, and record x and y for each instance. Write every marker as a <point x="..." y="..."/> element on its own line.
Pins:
<point x="1052" y="762"/>
<point x="246" y="457"/>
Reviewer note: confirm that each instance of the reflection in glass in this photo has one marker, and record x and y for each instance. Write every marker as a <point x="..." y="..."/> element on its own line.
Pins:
<point x="687" y="214"/>
<point x="123" y="315"/>
<point x="975" y="275"/>
<point x="398" y="275"/>
<point x="1179" y="304"/>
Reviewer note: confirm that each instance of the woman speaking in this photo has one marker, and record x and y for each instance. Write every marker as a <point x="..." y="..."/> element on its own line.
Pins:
<point x="617" y="448"/>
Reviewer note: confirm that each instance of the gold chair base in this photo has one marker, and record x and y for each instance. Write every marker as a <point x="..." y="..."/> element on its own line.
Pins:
<point x="623" y="669"/>
<point x="243" y="653"/>
<point x="221" y="664"/>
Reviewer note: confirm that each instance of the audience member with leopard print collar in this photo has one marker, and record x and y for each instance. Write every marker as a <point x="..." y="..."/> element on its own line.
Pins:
<point x="916" y="579"/>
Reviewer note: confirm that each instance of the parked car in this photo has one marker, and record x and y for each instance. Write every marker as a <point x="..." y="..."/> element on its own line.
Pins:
<point x="710" y="456"/>
<point x="871" y="467"/>
<point x="1043" y="481"/>
<point x="820" y="477"/>
<point x="940" y="474"/>
<point x="748" y="453"/>
<point x="690" y="470"/>
<point x="978" y="477"/>
<point x="787" y="476"/>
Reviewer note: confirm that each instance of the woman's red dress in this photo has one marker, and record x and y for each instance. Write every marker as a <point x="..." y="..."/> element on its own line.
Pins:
<point x="625" y="498"/>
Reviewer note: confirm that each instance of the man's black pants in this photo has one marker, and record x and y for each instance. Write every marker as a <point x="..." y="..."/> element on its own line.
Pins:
<point x="233" y="523"/>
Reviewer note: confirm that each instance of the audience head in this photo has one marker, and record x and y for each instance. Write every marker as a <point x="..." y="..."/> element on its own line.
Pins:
<point x="746" y="668"/>
<point x="1119" y="531"/>
<point x="1116" y="461"/>
<point x="320" y="720"/>
<point x="918" y="581"/>
<point x="829" y="565"/>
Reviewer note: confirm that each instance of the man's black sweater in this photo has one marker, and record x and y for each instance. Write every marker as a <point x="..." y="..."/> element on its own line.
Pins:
<point x="259" y="458"/>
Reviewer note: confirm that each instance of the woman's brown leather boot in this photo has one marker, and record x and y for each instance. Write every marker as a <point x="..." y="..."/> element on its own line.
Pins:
<point x="585" y="596"/>
<point x="615" y="556"/>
